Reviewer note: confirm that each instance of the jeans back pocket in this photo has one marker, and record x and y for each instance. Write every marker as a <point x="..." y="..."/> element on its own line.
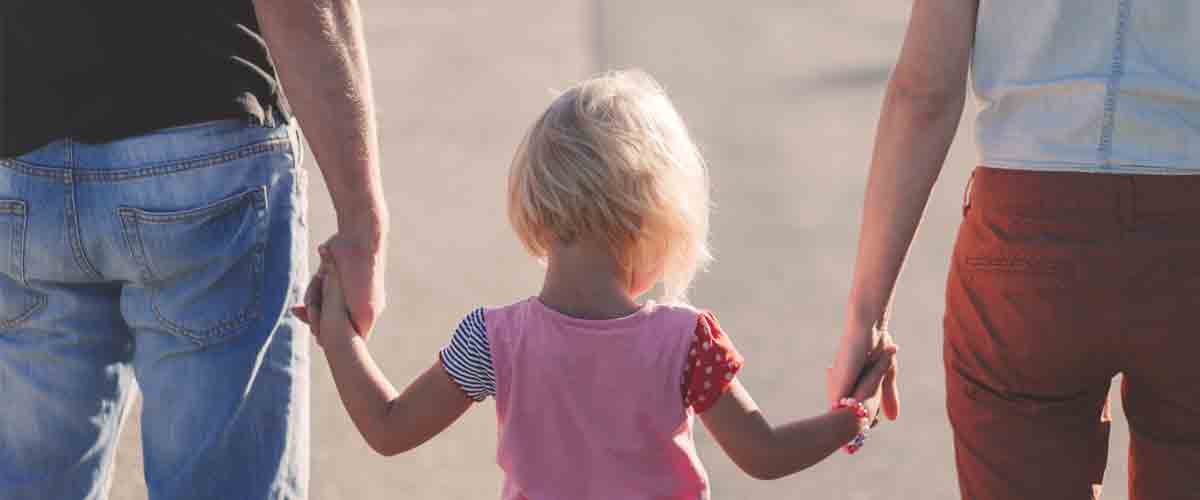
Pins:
<point x="203" y="266"/>
<point x="17" y="302"/>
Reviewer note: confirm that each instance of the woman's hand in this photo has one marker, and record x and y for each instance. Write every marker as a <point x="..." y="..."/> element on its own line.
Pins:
<point x="845" y="377"/>
<point x="871" y="385"/>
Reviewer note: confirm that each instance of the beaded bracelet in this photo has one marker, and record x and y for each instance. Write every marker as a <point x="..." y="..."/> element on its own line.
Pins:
<point x="861" y="412"/>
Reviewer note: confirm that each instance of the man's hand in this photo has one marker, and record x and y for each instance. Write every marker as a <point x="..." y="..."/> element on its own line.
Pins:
<point x="361" y="269"/>
<point x="325" y="308"/>
<point x="360" y="277"/>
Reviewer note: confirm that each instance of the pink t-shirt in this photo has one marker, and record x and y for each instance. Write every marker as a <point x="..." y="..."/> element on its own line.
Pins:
<point x="592" y="409"/>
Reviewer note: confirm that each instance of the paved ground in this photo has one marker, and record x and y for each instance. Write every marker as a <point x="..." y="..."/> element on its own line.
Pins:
<point x="782" y="98"/>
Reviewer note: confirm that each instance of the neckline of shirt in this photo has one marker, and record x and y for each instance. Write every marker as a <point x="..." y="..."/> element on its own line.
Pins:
<point x="594" y="324"/>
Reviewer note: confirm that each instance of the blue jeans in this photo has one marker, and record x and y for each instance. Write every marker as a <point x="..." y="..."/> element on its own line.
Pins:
<point x="169" y="259"/>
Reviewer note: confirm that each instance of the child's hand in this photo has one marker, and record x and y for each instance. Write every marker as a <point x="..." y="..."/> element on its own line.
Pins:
<point x="332" y="314"/>
<point x="308" y="312"/>
<point x="325" y="307"/>
<point x="869" y="388"/>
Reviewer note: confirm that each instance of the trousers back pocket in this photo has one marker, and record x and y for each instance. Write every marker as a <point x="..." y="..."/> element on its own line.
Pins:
<point x="203" y="266"/>
<point x="17" y="302"/>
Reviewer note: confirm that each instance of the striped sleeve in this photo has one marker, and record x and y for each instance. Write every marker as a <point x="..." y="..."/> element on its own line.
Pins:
<point x="468" y="358"/>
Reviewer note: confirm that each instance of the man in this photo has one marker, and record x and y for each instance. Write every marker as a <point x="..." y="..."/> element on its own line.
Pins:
<point x="151" y="229"/>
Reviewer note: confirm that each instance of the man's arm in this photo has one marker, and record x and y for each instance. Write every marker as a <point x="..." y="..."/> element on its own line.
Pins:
<point x="321" y="58"/>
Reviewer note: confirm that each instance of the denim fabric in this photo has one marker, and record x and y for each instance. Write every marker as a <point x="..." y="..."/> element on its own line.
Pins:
<point x="169" y="259"/>
<point x="1107" y="86"/>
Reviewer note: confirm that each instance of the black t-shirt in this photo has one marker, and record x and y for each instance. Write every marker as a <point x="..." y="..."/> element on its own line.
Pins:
<point x="100" y="70"/>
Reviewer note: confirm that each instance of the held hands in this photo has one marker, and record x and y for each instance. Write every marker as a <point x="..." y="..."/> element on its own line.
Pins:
<point x="859" y="347"/>
<point x="869" y="389"/>
<point x="325" y="308"/>
<point x="361" y="267"/>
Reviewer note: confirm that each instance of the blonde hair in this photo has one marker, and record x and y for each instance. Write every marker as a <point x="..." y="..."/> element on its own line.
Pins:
<point x="611" y="159"/>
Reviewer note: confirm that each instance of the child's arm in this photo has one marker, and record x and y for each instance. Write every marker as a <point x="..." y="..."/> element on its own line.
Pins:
<point x="770" y="452"/>
<point x="391" y="422"/>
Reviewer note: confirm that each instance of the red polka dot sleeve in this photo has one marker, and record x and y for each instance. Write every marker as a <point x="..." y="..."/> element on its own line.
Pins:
<point x="712" y="363"/>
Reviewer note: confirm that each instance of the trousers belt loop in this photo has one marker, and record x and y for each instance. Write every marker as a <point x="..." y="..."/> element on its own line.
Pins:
<point x="966" y="201"/>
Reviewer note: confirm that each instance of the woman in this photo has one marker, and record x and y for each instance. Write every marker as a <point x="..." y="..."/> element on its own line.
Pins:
<point x="1077" y="257"/>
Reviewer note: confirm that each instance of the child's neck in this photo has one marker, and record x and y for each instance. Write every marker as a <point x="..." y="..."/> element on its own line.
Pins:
<point x="584" y="281"/>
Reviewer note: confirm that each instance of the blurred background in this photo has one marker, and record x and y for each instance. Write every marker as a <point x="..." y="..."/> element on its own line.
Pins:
<point x="782" y="97"/>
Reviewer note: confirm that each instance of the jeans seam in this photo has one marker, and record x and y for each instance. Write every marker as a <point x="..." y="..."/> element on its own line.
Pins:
<point x="221" y="331"/>
<point x="12" y="207"/>
<point x="257" y="197"/>
<point x="19" y="237"/>
<point x="20" y="233"/>
<point x="72" y="222"/>
<point x="211" y="160"/>
<point x="133" y="239"/>
<point x="113" y="176"/>
<point x="40" y="302"/>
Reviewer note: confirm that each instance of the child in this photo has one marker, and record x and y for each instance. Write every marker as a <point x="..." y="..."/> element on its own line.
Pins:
<point x="595" y="392"/>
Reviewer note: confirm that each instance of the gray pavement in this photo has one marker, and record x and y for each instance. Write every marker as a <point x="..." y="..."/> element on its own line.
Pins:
<point x="782" y="97"/>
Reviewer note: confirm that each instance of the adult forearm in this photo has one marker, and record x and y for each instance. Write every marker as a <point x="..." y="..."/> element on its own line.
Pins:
<point x="321" y="58"/>
<point x="914" y="134"/>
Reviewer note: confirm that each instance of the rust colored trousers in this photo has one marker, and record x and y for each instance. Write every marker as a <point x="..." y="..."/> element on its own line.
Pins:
<point x="1060" y="281"/>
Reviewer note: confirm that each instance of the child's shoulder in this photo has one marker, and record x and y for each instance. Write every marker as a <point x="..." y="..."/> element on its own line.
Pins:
<point x="682" y="310"/>
<point x="701" y="322"/>
<point x="518" y="308"/>
<point x="516" y="313"/>
<point x="680" y="315"/>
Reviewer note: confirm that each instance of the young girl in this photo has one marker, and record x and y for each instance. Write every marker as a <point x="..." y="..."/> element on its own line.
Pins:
<point x="595" y="391"/>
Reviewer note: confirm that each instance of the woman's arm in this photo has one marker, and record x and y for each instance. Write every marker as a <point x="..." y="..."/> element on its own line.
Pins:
<point x="920" y="115"/>
<point x="390" y="421"/>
